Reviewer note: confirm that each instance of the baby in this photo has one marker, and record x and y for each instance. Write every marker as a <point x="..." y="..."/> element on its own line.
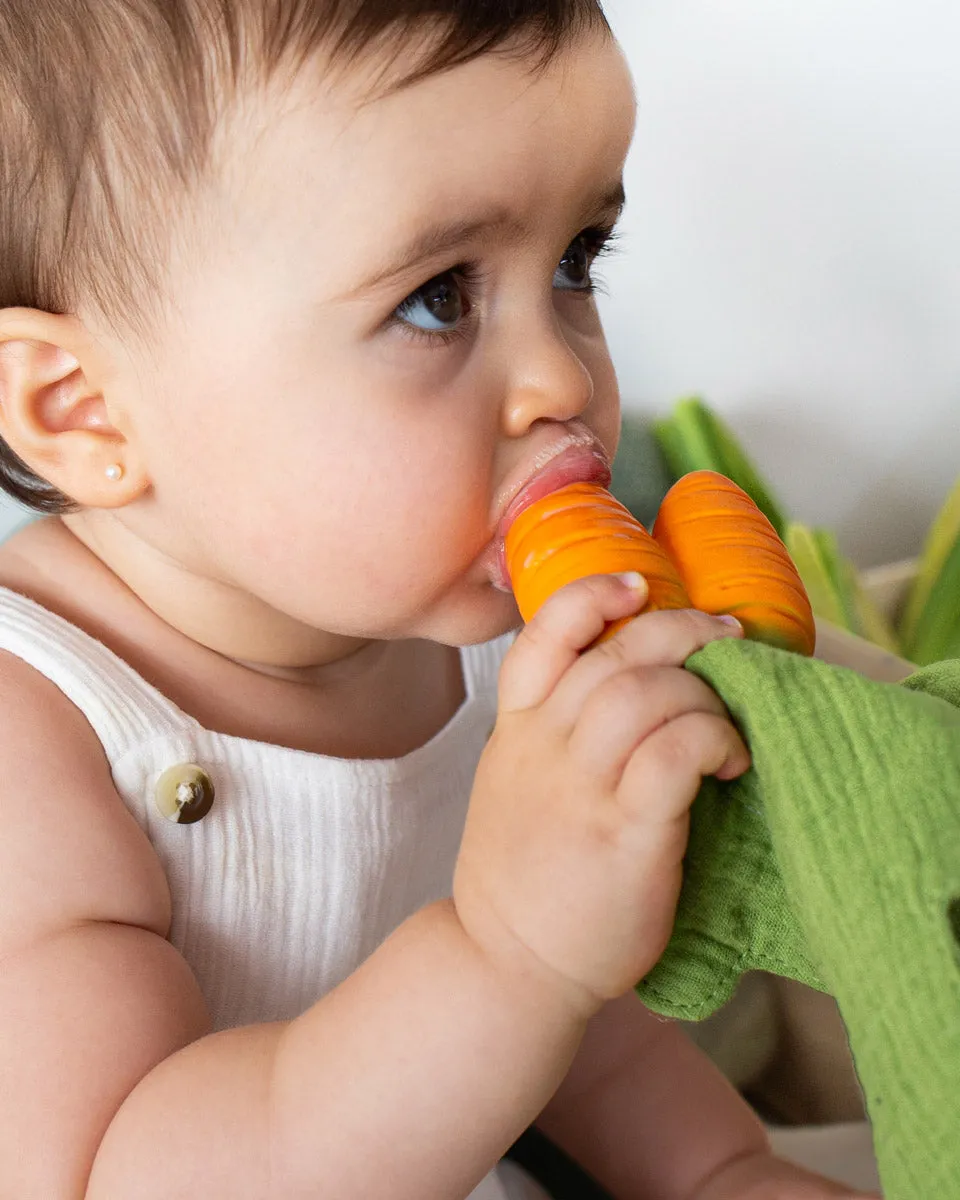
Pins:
<point x="317" y="879"/>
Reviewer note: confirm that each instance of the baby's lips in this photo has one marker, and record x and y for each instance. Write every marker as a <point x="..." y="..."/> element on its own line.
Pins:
<point x="583" y="463"/>
<point x="580" y="463"/>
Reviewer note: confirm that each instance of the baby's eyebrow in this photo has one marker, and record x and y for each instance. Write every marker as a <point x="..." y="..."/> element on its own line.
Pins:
<point x="443" y="237"/>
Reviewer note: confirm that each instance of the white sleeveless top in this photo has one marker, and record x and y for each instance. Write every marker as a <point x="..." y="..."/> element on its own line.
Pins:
<point x="305" y="863"/>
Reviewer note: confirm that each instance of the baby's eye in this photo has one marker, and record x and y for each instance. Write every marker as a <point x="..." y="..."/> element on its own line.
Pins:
<point x="436" y="307"/>
<point x="574" y="272"/>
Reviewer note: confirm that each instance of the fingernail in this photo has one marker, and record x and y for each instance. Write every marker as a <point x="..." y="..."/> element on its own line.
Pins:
<point x="633" y="579"/>
<point x="728" y="620"/>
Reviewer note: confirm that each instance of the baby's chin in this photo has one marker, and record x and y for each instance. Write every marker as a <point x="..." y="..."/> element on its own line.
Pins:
<point x="478" y="617"/>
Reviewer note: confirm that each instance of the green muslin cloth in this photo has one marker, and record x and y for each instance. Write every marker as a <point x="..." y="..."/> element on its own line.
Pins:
<point x="836" y="861"/>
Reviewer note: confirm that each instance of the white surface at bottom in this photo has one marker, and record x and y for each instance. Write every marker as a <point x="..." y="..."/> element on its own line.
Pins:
<point x="508" y="1182"/>
<point x="841" y="1152"/>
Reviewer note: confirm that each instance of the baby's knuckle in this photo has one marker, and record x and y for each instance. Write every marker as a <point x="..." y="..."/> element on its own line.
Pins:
<point x="582" y="591"/>
<point x="534" y="636"/>
<point x="629" y="688"/>
<point x="667" y="753"/>
<point x="603" y="827"/>
<point x="615" y="650"/>
<point x="675" y="745"/>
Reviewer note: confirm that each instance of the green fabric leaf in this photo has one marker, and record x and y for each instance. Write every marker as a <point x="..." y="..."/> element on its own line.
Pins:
<point x="836" y="861"/>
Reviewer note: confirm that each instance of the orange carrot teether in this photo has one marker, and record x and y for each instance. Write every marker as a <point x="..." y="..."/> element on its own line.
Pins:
<point x="732" y="561"/>
<point x="711" y="549"/>
<point x="582" y="530"/>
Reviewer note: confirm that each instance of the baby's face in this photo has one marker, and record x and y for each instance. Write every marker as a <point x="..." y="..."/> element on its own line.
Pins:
<point x="387" y="321"/>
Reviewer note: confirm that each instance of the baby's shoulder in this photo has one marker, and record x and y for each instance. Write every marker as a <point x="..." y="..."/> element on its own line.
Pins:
<point x="71" y="851"/>
<point x="88" y="980"/>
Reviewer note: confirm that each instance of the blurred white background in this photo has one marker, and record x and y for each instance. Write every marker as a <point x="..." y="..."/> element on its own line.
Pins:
<point x="791" y="246"/>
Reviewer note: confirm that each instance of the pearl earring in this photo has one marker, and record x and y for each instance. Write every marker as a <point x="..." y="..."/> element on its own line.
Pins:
<point x="114" y="472"/>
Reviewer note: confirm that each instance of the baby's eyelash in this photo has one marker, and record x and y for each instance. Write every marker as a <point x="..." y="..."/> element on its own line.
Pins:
<point x="598" y="240"/>
<point x="435" y="337"/>
<point x="601" y="239"/>
<point x="471" y="275"/>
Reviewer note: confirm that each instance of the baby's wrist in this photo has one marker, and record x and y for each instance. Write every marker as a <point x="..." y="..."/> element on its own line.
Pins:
<point x="521" y="970"/>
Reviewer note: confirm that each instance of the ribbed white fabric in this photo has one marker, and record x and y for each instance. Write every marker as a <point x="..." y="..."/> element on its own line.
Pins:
<point x="305" y="863"/>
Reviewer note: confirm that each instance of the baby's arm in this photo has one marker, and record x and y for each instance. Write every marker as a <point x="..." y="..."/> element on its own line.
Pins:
<point x="419" y="1070"/>
<point x="424" y="1048"/>
<point x="649" y="1115"/>
<point x="91" y="993"/>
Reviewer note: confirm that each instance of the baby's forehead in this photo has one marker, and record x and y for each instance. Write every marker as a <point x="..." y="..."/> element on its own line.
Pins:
<point x="327" y="182"/>
<point x="436" y="140"/>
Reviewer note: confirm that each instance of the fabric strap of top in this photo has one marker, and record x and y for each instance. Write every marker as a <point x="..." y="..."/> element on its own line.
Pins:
<point x="120" y="705"/>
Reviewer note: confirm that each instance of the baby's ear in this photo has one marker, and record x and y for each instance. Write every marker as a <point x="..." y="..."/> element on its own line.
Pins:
<point x="53" y="411"/>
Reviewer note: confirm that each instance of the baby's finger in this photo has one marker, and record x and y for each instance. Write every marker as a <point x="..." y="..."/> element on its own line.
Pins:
<point x="553" y="640"/>
<point x="663" y="776"/>
<point x="626" y="708"/>
<point x="657" y="639"/>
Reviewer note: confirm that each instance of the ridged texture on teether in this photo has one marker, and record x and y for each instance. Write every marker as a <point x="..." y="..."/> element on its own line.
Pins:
<point x="582" y="530"/>
<point x="711" y="549"/>
<point x="732" y="561"/>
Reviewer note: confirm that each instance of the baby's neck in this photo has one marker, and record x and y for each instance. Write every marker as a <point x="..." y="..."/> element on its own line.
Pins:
<point x="384" y="701"/>
<point x="215" y="614"/>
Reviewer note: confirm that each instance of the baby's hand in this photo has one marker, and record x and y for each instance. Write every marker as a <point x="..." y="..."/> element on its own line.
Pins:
<point x="571" y="856"/>
<point x="766" y="1177"/>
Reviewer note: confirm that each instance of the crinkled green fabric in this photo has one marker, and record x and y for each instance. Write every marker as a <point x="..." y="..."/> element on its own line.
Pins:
<point x="836" y="861"/>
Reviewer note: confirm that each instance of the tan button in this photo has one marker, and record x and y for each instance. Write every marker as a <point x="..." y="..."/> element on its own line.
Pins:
<point x="184" y="793"/>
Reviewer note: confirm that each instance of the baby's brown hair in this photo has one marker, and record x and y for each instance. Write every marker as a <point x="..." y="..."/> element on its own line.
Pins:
<point x="108" y="110"/>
